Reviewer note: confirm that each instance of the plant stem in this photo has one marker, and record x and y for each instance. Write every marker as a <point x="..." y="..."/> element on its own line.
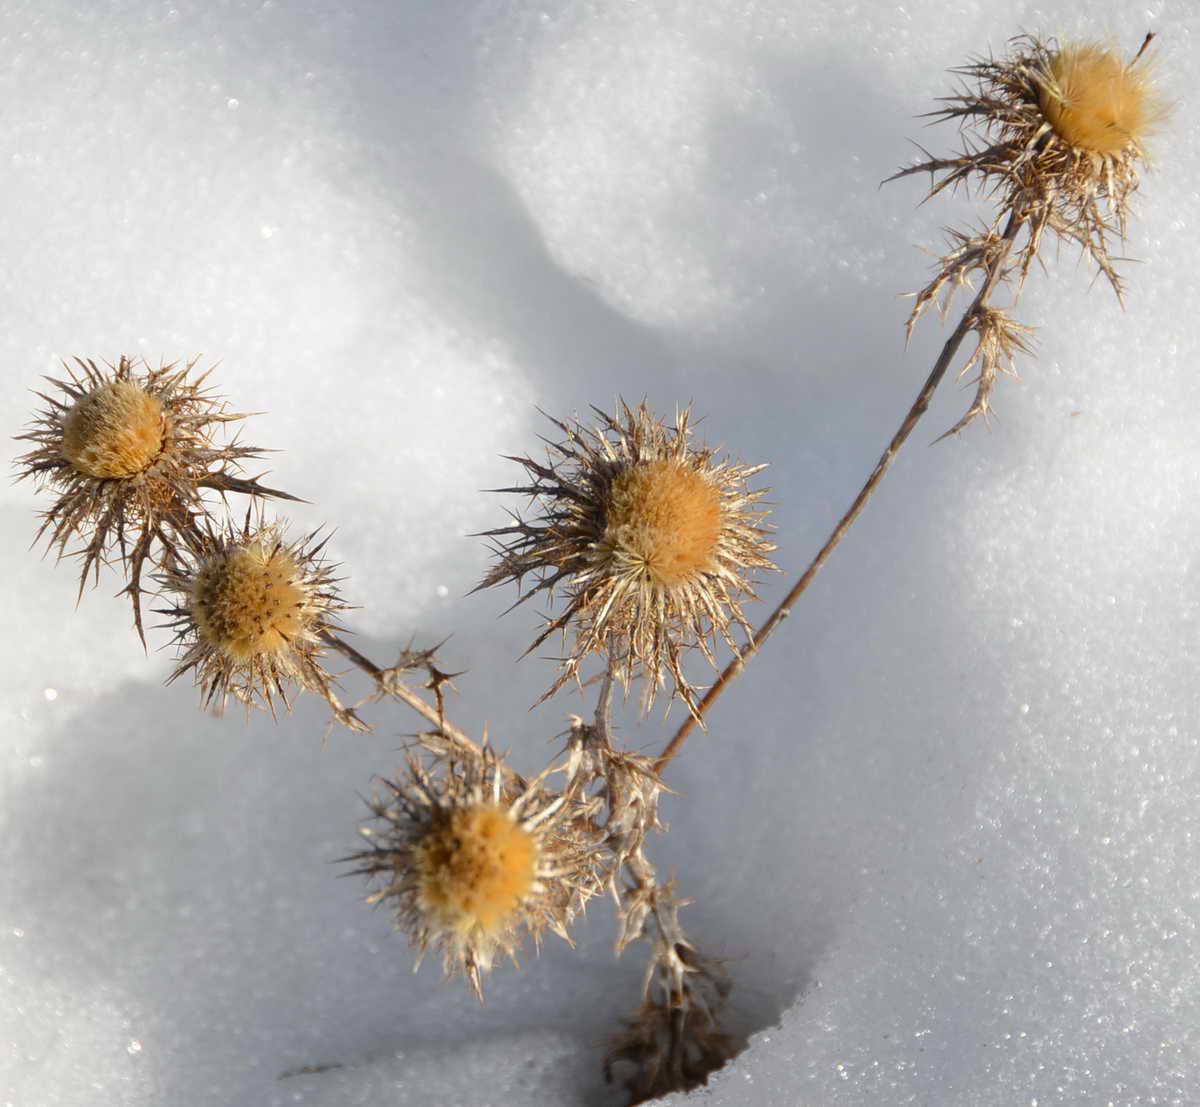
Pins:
<point x="920" y="405"/>
<point x="389" y="683"/>
<point x="603" y="718"/>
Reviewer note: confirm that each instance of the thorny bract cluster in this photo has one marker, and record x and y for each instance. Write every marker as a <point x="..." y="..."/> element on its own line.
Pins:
<point x="475" y="857"/>
<point x="248" y="609"/>
<point x="647" y="542"/>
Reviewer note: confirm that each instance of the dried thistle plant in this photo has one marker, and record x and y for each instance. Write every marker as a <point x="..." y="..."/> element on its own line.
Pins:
<point x="249" y="611"/>
<point x="129" y="451"/>
<point x="1059" y="136"/>
<point x="471" y="857"/>
<point x="649" y="541"/>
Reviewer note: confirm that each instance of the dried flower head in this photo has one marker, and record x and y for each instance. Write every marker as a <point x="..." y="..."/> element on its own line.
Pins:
<point x="1063" y="130"/>
<point x="129" y="451"/>
<point x="649" y="540"/>
<point x="1096" y="102"/>
<point x="248" y="613"/>
<point x="471" y="857"/>
<point x="114" y="431"/>
<point x="1060" y="135"/>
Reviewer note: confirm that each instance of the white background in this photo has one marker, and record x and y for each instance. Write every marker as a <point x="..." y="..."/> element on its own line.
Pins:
<point x="945" y="830"/>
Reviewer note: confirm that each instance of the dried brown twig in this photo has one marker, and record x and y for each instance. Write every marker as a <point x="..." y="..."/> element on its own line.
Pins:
<point x="968" y="323"/>
<point x="389" y="682"/>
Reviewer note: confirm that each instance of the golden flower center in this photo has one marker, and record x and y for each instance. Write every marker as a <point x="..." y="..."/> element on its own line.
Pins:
<point x="666" y="516"/>
<point x="1095" y="101"/>
<point x="249" y="602"/>
<point x="475" y="868"/>
<point x="114" y="431"/>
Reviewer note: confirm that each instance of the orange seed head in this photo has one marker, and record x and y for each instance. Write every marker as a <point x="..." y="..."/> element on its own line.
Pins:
<point x="114" y="431"/>
<point x="474" y="868"/>
<point x="251" y="601"/>
<point x="666" y="516"/>
<point x="1096" y="102"/>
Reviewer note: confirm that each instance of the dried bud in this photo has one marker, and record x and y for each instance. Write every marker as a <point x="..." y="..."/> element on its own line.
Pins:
<point x="249" y="610"/>
<point x="128" y="450"/>
<point x="649" y="540"/>
<point x="470" y="857"/>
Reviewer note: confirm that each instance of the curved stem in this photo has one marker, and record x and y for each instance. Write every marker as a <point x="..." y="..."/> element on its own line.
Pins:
<point x="949" y="350"/>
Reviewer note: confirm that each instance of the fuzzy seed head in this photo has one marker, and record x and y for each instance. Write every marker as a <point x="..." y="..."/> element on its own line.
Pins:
<point x="250" y="601"/>
<point x="474" y="868"/>
<point x="1055" y="135"/>
<point x="472" y="858"/>
<point x="664" y="517"/>
<point x="116" y="430"/>
<point x="248" y="610"/>
<point x="650" y="541"/>
<point x="1096" y="102"/>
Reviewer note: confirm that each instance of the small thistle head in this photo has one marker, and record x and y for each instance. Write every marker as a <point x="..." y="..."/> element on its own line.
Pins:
<point x="649" y="540"/>
<point x="248" y="612"/>
<point x="129" y="451"/>
<point x="1062" y="134"/>
<point x="471" y="857"/>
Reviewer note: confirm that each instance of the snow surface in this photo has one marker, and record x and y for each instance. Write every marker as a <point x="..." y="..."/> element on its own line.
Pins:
<point x="945" y="829"/>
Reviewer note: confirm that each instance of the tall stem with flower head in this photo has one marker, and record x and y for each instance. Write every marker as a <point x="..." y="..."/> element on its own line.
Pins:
<point x="1064" y="128"/>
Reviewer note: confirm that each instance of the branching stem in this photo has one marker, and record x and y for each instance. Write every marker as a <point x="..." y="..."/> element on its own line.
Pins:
<point x="388" y="682"/>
